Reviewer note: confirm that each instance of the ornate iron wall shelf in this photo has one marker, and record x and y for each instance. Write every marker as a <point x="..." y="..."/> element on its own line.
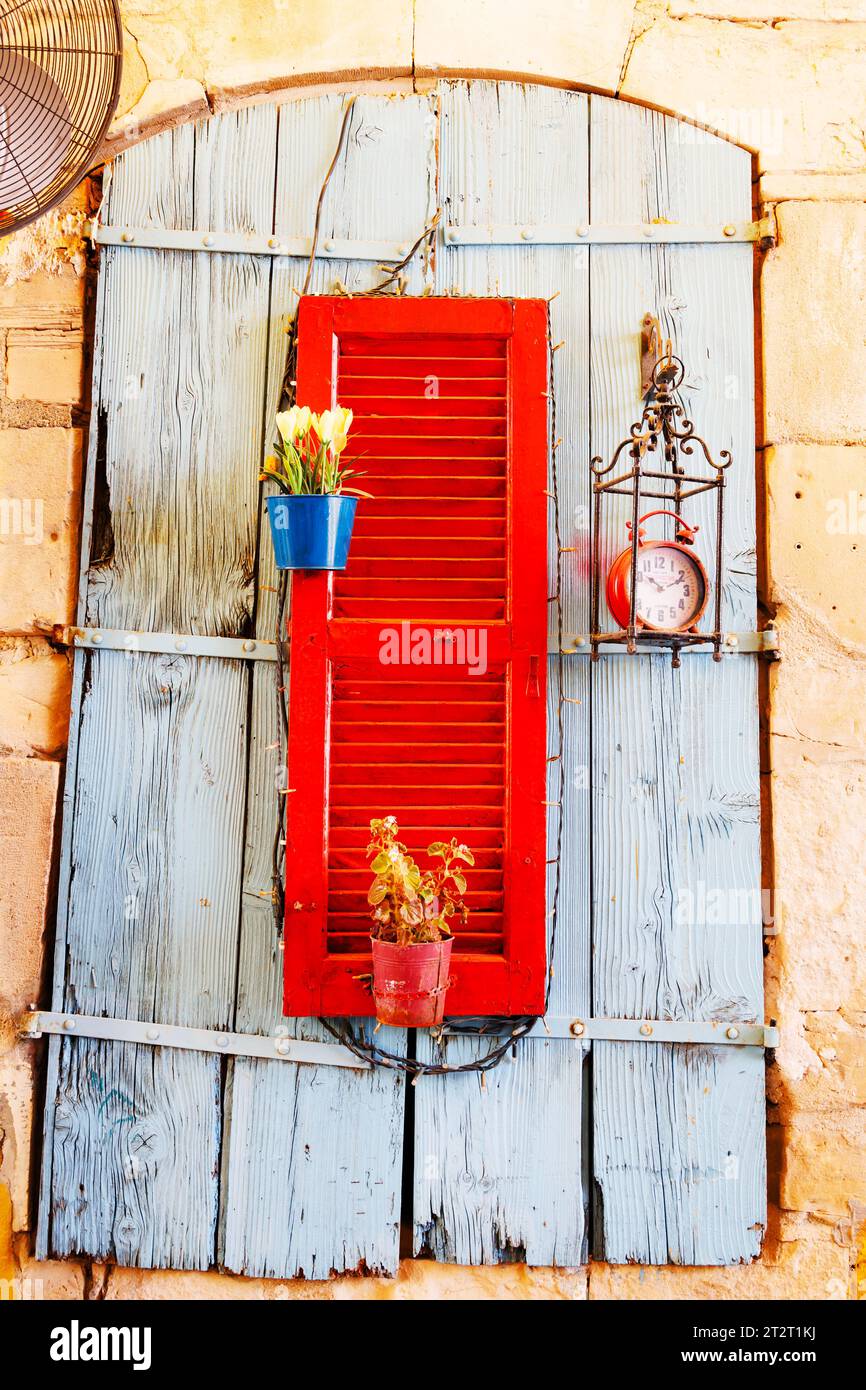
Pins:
<point x="658" y="590"/>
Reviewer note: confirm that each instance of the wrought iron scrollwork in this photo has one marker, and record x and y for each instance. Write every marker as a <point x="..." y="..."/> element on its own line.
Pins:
<point x="666" y="432"/>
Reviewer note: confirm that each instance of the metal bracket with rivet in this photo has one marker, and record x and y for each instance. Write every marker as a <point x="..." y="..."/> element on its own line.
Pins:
<point x="713" y="1033"/>
<point x="185" y="644"/>
<point x="242" y="243"/>
<point x="765" y="643"/>
<point x="37" y="1022"/>
<point x="611" y="234"/>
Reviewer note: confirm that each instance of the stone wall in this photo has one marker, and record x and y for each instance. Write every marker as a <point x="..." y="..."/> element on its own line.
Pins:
<point x="787" y="80"/>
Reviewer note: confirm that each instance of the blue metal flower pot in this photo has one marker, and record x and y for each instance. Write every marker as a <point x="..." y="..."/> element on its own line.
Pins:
<point x="311" y="532"/>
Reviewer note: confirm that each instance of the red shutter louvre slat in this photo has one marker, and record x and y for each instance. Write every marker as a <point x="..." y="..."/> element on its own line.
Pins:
<point x="450" y="418"/>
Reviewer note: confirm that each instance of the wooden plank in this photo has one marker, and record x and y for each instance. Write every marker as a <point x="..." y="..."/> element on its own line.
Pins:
<point x="150" y="925"/>
<point x="319" y="1194"/>
<point x="69" y="780"/>
<point x="678" y="1131"/>
<point x="498" y="1171"/>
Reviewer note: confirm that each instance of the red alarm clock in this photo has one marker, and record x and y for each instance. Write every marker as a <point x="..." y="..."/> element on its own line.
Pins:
<point x="672" y="584"/>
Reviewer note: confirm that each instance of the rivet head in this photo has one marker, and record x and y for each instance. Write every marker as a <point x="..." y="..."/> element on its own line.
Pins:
<point x="222" y="1040"/>
<point x="152" y="1034"/>
<point x="577" y="1028"/>
<point x="527" y="234"/>
<point x="732" y="1033"/>
<point x="298" y="907"/>
<point x="207" y="241"/>
<point x="69" y="1024"/>
<point x="450" y="234"/>
<point x="580" y="641"/>
<point x="328" y="244"/>
<point x="649" y="230"/>
<point x="729" y="229"/>
<point x="96" y="637"/>
<point x="732" y="640"/>
<point x="283" y="1047"/>
<point x="583" y="230"/>
<point x="249" y="646"/>
<point x="402" y="250"/>
<point x="180" y="646"/>
<point x="646" y="1029"/>
<point x="127" y="237"/>
<point x="273" y="242"/>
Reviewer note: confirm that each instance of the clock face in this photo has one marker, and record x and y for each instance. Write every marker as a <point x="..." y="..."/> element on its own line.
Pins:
<point x="671" y="589"/>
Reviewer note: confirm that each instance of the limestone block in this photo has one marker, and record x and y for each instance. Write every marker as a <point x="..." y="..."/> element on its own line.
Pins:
<point x="819" y="950"/>
<point x="40" y="479"/>
<point x="35" y="684"/>
<point x="287" y="39"/>
<point x="815" y="1269"/>
<point x="824" y="1168"/>
<point x="813" y="298"/>
<point x="134" y="77"/>
<point x="816" y="521"/>
<point x="44" y="299"/>
<point x="44" y="1280"/>
<point x="198" y="45"/>
<point x="18" y="1092"/>
<point x="792" y="91"/>
<point x="584" y="43"/>
<point x="820" y="1065"/>
<point x="416" y="1280"/>
<point x="28" y="796"/>
<point x="45" y="365"/>
<point x="813" y="186"/>
<point x="840" y="1044"/>
<point x="818" y="717"/>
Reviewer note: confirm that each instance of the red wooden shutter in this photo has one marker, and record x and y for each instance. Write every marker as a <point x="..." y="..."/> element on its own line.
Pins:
<point x="449" y="556"/>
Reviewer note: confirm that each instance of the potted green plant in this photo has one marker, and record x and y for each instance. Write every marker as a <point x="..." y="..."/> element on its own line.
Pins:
<point x="312" y="515"/>
<point x="412" y="911"/>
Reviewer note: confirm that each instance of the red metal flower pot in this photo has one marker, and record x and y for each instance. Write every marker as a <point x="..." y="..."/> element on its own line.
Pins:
<point x="410" y="982"/>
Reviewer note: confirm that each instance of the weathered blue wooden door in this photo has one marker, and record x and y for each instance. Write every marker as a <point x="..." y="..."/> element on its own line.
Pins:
<point x="160" y="1157"/>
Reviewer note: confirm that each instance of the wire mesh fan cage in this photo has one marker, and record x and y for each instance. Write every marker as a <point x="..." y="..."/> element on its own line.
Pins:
<point x="60" y="65"/>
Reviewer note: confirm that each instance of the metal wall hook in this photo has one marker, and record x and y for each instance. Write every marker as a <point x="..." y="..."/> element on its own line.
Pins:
<point x="650" y="351"/>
